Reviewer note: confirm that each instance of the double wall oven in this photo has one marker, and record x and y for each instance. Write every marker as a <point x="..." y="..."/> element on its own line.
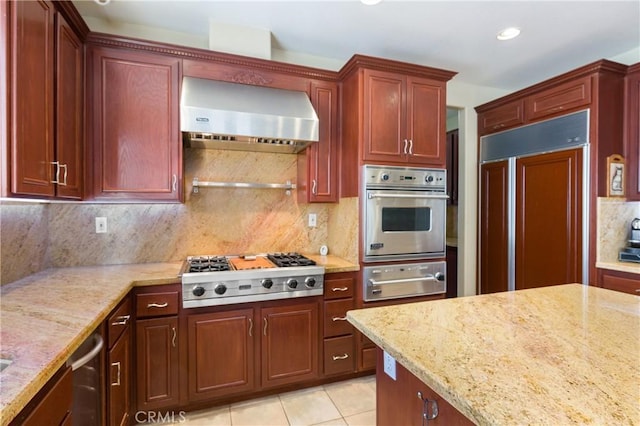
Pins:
<point x="403" y="232"/>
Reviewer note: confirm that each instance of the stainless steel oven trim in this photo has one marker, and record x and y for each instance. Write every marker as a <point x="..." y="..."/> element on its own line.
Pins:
<point x="399" y="281"/>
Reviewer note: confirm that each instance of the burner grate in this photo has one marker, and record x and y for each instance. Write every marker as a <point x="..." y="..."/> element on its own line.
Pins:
<point x="208" y="264"/>
<point x="284" y="260"/>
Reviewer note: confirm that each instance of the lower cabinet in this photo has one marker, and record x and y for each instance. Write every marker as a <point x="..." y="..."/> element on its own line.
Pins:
<point x="408" y="401"/>
<point x="52" y="405"/>
<point x="625" y="282"/>
<point x="118" y="375"/>
<point x="228" y="336"/>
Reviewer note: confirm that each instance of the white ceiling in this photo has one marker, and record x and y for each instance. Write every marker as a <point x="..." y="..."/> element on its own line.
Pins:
<point x="455" y="35"/>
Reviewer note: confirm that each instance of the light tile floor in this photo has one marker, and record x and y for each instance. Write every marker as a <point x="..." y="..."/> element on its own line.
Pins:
<point x="348" y="403"/>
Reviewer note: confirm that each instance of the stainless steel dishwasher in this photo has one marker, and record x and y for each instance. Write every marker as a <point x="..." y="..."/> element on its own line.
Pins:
<point x="86" y="363"/>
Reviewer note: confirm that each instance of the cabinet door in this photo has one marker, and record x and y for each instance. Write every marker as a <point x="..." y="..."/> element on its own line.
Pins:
<point x="501" y="118"/>
<point x="633" y="132"/>
<point x="157" y="368"/>
<point x="384" y="117"/>
<point x="119" y="385"/>
<point x="561" y="99"/>
<point x="425" y="125"/>
<point x="620" y="281"/>
<point x="53" y="404"/>
<point x="318" y="164"/>
<point x="289" y="343"/>
<point x="137" y="147"/>
<point x="548" y="225"/>
<point x="494" y="261"/>
<point x="32" y="97"/>
<point x="221" y="353"/>
<point x="401" y="401"/>
<point x="69" y="111"/>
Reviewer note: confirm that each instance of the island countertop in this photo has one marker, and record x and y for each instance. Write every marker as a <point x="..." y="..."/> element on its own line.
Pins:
<point x="558" y="355"/>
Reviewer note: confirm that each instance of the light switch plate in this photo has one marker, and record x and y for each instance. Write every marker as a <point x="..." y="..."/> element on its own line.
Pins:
<point x="389" y="365"/>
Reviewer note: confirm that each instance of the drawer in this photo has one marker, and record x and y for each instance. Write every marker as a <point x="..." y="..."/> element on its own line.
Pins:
<point x="339" y="287"/>
<point x="157" y="304"/>
<point x="339" y="355"/>
<point x="335" y="317"/>
<point x="561" y="99"/>
<point x="118" y="321"/>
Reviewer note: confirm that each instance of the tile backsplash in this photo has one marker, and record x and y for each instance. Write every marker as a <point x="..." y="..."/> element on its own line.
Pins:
<point x="214" y="221"/>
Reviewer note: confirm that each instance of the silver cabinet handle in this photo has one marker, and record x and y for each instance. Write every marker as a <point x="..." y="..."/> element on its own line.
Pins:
<point x="158" y="305"/>
<point x="339" y="319"/>
<point x="250" y="327"/>
<point x="173" y="339"/>
<point x="314" y="187"/>
<point x="410" y="146"/>
<point x="425" y="408"/>
<point x="266" y="323"/>
<point x="174" y="184"/>
<point x="404" y="151"/>
<point x="637" y="290"/>
<point x="340" y="357"/>
<point x="123" y="319"/>
<point x="64" y="182"/>
<point x="99" y="343"/>
<point x="116" y="364"/>
<point x="57" y="164"/>
<point x="339" y="288"/>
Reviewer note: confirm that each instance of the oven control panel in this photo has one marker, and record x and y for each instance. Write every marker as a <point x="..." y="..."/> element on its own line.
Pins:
<point x="404" y="177"/>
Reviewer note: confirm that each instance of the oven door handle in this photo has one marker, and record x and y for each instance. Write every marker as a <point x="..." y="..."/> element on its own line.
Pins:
<point x="418" y="195"/>
<point x="403" y="280"/>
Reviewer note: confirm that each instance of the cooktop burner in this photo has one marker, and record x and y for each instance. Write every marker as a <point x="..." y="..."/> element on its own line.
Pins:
<point x="208" y="264"/>
<point x="285" y="260"/>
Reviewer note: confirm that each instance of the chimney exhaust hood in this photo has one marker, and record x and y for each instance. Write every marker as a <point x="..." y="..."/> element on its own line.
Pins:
<point x="222" y="115"/>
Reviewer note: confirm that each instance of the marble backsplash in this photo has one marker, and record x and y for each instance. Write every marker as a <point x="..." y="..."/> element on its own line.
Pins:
<point x="614" y="221"/>
<point x="214" y="221"/>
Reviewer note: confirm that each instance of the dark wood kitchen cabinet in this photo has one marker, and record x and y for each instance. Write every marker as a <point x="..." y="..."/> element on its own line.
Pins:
<point x="402" y="401"/>
<point x="289" y="343"/>
<point x="339" y="349"/>
<point x="632" y="126"/>
<point x="118" y="392"/>
<point x="45" y="117"/>
<point x="560" y="99"/>
<point x="501" y="118"/>
<point x="134" y="126"/>
<point x="625" y="282"/>
<point x="221" y="353"/>
<point x="157" y="347"/>
<point x="318" y="164"/>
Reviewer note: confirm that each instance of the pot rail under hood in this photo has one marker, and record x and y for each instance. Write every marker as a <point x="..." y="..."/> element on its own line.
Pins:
<point x="222" y="115"/>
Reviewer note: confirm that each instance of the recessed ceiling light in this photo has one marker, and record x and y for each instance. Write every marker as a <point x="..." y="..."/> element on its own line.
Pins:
<point x="508" y="33"/>
<point x="370" y="2"/>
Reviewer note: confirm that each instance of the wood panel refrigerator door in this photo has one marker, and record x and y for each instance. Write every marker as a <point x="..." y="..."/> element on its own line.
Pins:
<point x="494" y="227"/>
<point x="548" y="223"/>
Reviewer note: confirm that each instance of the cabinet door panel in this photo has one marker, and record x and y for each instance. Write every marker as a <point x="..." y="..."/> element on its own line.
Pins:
<point x="157" y="362"/>
<point x="384" y="105"/>
<point x="633" y="133"/>
<point x="620" y="281"/>
<point x="118" y="394"/>
<point x="135" y="126"/>
<point x="548" y="219"/>
<point x="229" y="338"/>
<point x="501" y="118"/>
<point x="32" y="97"/>
<point x="425" y="122"/>
<point x="69" y="110"/>
<point x="289" y="344"/>
<point x="559" y="100"/>
<point x="494" y="187"/>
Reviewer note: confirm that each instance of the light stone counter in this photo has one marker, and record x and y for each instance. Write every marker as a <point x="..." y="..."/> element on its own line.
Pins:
<point x="45" y="317"/>
<point x="631" y="267"/>
<point x="333" y="263"/>
<point x="557" y="355"/>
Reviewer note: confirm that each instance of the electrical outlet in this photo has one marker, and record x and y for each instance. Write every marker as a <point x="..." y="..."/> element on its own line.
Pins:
<point x="389" y="365"/>
<point x="101" y="225"/>
<point x="313" y="218"/>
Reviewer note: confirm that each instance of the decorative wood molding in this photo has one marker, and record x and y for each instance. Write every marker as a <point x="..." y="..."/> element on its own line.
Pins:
<point x="249" y="77"/>
<point x="361" y="61"/>
<point x="73" y="18"/>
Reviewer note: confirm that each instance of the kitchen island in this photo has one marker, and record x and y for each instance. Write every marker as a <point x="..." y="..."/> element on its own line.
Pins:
<point x="567" y="354"/>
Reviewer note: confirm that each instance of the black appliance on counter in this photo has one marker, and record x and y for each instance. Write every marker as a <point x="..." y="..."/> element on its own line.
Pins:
<point x="631" y="253"/>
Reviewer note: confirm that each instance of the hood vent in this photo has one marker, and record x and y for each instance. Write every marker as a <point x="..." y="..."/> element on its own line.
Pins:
<point x="221" y="115"/>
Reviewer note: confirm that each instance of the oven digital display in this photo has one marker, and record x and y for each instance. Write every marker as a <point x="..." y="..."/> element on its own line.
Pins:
<point x="406" y="219"/>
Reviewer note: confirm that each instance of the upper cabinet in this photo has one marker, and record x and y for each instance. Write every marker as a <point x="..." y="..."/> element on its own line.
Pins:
<point x="45" y="111"/>
<point x="134" y="126"/>
<point x="502" y="117"/>
<point x="632" y="135"/>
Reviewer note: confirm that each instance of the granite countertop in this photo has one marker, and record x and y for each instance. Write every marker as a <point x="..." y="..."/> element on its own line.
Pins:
<point x="46" y="316"/>
<point x="559" y="355"/>
<point x="333" y="263"/>
<point x="631" y="267"/>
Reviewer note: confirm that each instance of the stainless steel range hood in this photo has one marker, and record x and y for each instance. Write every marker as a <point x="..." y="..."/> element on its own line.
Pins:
<point x="222" y="115"/>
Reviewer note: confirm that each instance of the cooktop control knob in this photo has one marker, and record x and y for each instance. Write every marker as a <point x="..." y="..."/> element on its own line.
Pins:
<point x="267" y="283"/>
<point x="429" y="178"/>
<point x="220" y="289"/>
<point x="385" y="177"/>
<point x="310" y="282"/>
<point x="292" y="283"/>
<point x="198" y="290"/>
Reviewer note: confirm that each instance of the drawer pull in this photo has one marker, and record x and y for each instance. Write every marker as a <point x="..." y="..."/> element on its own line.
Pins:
<point x="339" y="319"/>
<point x="173" y="339"/>
<point x="340" y="357"/>
<point x="116" y="364"/>
<point x="250" y="327"/>
<point x="637" y="290"/>
<point x="158" y="305"/>
<point x="123" y="319"/>
<point x="340" y="289"/>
